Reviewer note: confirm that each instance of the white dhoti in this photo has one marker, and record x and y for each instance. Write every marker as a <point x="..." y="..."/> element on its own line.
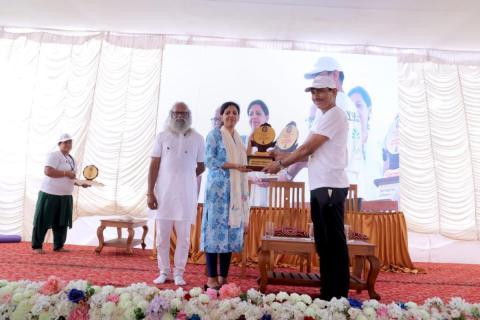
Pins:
<point x="164" y="230"/>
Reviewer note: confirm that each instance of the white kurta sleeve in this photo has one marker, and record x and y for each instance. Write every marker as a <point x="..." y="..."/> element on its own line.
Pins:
<point x="157" y="147"/>
<point x="201" y="149"/>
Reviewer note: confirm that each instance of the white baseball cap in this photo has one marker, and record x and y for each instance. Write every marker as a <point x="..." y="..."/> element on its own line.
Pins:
<point x="64" y="137"/>
<point x="322" y="82"/>
<point x="323" y="64"/>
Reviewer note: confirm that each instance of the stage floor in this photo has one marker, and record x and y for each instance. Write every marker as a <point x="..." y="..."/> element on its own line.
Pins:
<point x="113" y="267"/>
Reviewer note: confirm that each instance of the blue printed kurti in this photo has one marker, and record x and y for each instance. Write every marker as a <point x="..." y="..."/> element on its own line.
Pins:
<point x="217" y="236"/>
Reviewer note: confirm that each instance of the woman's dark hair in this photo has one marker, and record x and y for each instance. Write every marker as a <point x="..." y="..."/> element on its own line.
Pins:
<point x="365" y="96"/>
<point x="262" y="105"/>
<point x="227" y="104"/>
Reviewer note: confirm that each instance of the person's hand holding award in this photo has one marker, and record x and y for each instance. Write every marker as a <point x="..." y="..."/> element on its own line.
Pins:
<point x="263" y="138"/>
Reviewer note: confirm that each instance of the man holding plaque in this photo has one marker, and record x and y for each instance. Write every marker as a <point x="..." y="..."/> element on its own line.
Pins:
<point x="326" y="151"/>
<point x="177" y="159"/>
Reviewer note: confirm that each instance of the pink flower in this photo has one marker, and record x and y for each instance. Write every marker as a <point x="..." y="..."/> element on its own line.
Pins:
<point x="113" y="298"/>
<point x="212" y="293"/>
<point x="181" y="316"/>
<point x="382" y="312"/>
<point x="6" y="298"/>
<point x="79" y="313"/>
<point x="52" y="286"/>
<point x="229" y="291"/>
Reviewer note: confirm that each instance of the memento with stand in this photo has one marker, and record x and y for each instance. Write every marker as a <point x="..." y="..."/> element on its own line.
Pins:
<point x="90" y="172"/>
<point x="263" y="139"/>
<point x="287" y="139"/>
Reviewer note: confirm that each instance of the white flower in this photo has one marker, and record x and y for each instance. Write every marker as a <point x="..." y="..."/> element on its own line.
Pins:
<point x="300" y="306"/>
<point x="311" y="312"/>
<point x="180" y="293"/>
<point x="457" y="303"/>
<point x="394" y="311"/>
<point x="306" y="298"/>
<point x="137" y="300"/>
<point x="269" y="298"/>
<point x="195" y="292"/>
<point x="106" y="290"/>
<point x="108" y="308"/>
<point x="370" y="313"/>
<point x="225" y="304"/>
<point x="282" y="296"/>
<point x="62" y="308"/>
<point x="455" y="313"/>
<point x="77" y="284"/>
<point x="204" y="298"/>
<point x="168" y="316"/>
<point x="42" y="303"/>
<point x="129" y="314"/>
<point x="176" y="303"/>
<point x="354" y="313"/>
<point x="253" y="294"/>
<point x="17" y="298"/>
<point x="276" y="306"/>
<point x="371" y="303"/>
<point x="98" y="299"/>
<point x="411" y="305"/>
<point x="294" y="297"/>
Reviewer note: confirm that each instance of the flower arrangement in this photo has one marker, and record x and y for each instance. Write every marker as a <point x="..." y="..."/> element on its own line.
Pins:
<point x="56" y="299"/>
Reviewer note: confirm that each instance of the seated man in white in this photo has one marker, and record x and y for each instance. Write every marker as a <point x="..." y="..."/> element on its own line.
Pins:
<point x="177" y="160"/>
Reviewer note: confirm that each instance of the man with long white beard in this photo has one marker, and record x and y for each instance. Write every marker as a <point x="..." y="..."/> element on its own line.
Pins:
<point x="177" y="159"/>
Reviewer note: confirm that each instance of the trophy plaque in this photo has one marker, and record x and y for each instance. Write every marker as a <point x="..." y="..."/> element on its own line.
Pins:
<point x="287" y="139"/>
<point x="263" y="138"/>
<point x="90" y="172"/>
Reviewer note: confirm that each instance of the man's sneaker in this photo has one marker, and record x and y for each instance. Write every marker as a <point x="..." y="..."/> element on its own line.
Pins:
<point x="162" y="278"/>
<point x="179" y="281"/>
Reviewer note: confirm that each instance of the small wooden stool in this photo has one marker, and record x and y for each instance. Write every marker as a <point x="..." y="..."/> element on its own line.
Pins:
<point x="127" y="243"/>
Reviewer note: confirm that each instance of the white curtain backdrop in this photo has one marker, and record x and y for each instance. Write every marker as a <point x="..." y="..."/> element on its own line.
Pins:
<point x="104" y="88"/>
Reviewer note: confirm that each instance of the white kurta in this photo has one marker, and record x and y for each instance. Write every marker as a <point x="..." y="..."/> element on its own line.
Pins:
<point x="176" y="187"/>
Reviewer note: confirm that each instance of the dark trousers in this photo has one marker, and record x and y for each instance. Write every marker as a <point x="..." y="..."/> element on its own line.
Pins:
<point x="225" y="259"/>
<point x="59" y="237"/>
<point x="327" y="213"/>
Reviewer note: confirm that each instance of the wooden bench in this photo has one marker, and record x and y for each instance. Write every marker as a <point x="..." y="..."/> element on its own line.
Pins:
<point x="127" y="243"/>
<point x="359" y="251"/>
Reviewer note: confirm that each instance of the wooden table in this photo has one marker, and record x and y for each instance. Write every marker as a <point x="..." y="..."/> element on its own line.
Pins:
<point x="127" y="243"/>
<point x="359" y="251"/>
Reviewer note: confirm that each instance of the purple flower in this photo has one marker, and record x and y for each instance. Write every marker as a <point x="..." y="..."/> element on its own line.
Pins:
<point x="354" y="303"/>
<point x="266" y="316"/>
<point x="76" y="296"/>
<point x="194" y="317"/>
<point x="157" y="307"/>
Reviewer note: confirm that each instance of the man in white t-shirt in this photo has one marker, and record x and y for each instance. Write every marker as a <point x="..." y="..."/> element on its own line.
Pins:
<point x="326" y="151"/>
<point x="328" y="66"/>
<point x="177" y="160"/>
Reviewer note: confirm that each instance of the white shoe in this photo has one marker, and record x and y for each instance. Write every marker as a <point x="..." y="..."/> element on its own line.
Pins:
<point x="162" y="278"/>
<point x="179" y="281"/>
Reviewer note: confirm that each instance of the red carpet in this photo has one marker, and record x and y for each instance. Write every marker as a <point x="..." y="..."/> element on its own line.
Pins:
<point x="112" y="266"/>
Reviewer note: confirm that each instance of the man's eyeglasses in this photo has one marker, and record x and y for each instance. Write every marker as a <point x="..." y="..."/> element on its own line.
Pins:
<point x="180" y="113"/>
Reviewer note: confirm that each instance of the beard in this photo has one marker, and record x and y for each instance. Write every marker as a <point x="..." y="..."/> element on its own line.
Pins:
<point x="179" y="126"/>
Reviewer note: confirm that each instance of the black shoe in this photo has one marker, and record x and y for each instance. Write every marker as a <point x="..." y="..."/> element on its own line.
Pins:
<point x="205" y="287"/>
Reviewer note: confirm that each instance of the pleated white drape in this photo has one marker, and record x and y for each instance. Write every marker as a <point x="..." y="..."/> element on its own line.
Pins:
<point x="104" y="89"/>
<point x="440" y="148"/>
